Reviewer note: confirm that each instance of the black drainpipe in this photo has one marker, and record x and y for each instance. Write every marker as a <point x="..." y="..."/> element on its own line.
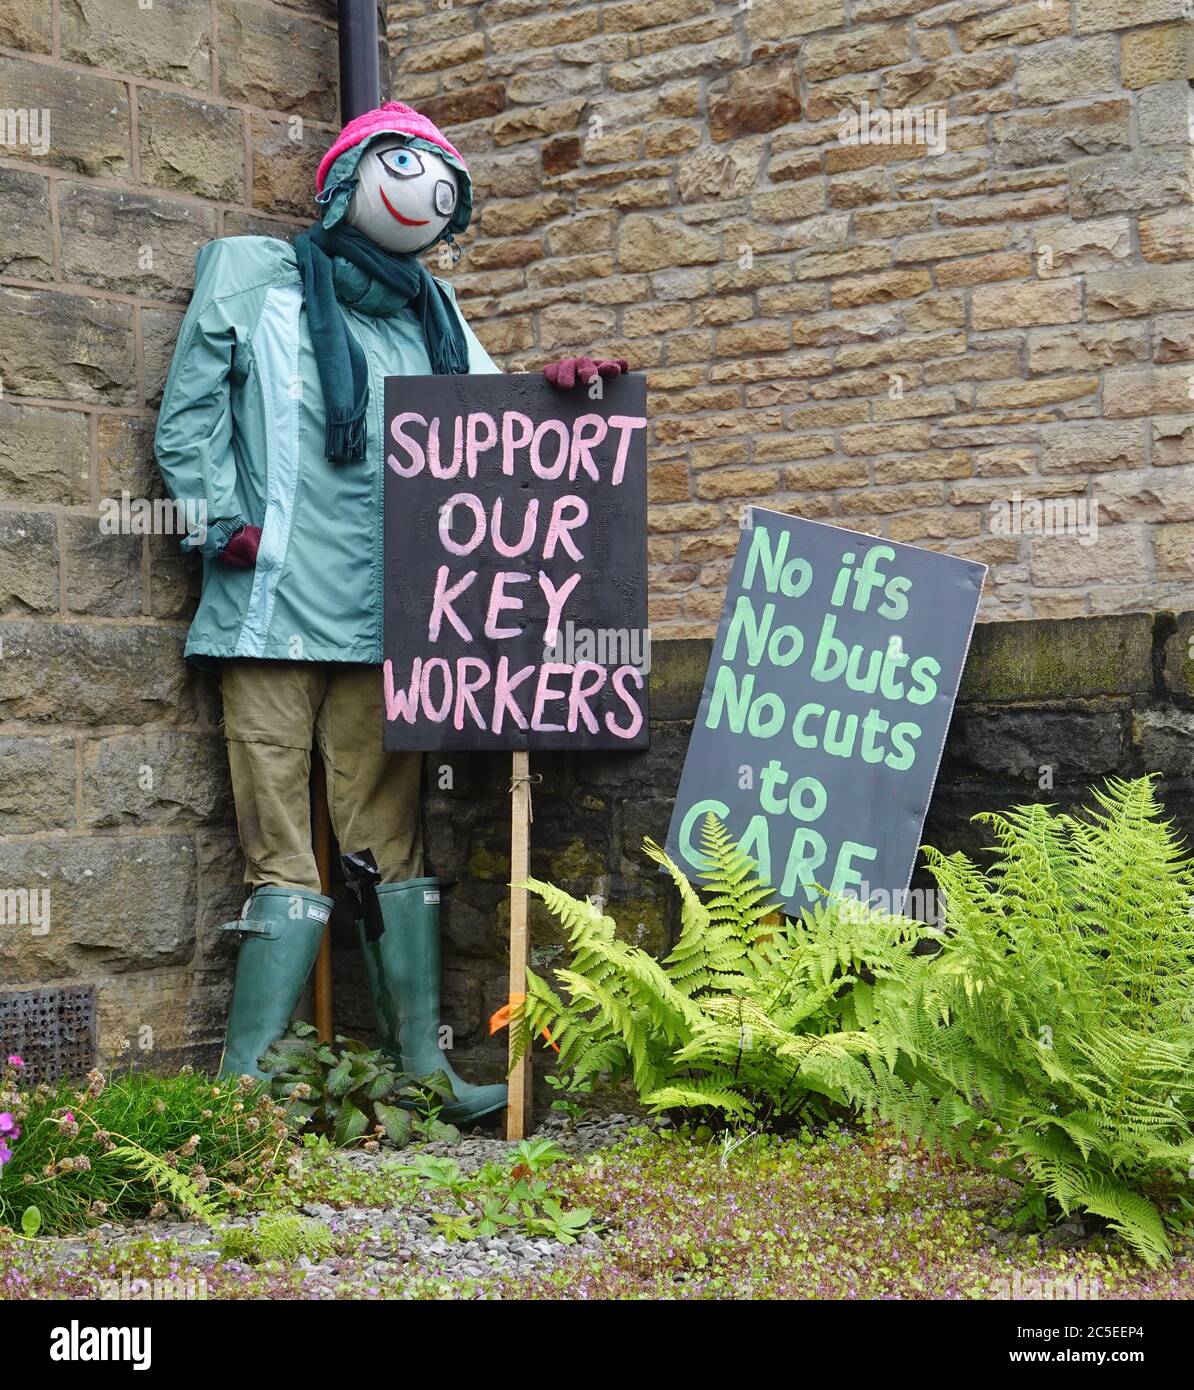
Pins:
<point x="360" y="78"/>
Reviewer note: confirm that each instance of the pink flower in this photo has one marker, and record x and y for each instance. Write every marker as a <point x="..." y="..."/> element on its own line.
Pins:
<point x="5" y="1153"/>
<point x="15" y="1061"/>
<point x="67" y="1118"/>
<point x="8" y="1125"/>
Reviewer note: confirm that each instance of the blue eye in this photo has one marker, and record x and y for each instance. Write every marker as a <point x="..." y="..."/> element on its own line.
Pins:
<point x="403" y="163"/>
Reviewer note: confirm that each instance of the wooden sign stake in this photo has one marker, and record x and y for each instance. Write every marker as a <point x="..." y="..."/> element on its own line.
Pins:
<point x="518" y="1109"/>
<point x="321" y="839"/>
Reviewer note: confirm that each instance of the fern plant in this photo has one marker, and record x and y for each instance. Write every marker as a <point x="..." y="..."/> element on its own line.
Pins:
<point x="750" y="1016"/>
<point x="276" y="1236"/>
<point x="1053" y="1034"/>
<point x="173" y="1186"/>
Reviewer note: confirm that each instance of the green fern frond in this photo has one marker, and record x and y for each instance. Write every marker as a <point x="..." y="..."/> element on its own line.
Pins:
<point x="277" y="1236"/>
<point x="711" y="1026"/>
<point x="1058" y="1009"/>
<point x="168" y="1182"/>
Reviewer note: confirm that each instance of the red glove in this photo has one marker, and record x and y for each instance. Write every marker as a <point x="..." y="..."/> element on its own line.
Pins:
<point x="241" y="550"/>
<point x="567" y="370"/>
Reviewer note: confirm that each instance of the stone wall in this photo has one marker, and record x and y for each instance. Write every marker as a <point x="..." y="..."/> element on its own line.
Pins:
<point x="169" y="122"/>
<point x="771" y="381"/>
<point x="875" y="335"/>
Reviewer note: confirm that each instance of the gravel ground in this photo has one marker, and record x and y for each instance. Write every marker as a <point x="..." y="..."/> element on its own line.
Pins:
<point x="843" y="1213"/>
<point x="397" y="1243"/>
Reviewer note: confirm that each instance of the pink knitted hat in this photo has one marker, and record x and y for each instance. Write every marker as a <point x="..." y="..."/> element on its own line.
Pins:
<point x="391" y="118"/>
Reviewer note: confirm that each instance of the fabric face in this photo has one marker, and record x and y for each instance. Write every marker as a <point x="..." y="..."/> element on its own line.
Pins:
<point x="405" y="197"/>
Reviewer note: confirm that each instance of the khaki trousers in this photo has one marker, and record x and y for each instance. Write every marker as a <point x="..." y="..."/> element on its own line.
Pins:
<point x="272" y="712"/>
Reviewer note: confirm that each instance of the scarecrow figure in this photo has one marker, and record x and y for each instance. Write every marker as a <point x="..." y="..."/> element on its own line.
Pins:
<point x="272" y="427"/>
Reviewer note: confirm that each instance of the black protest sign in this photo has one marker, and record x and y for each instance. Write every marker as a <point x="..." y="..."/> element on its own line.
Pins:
<point x="825" y="707"/>
<point x="515" y="564"/>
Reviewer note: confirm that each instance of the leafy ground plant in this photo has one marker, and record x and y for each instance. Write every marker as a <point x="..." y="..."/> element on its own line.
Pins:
<point x="1053" y="1034"/>
<point x="133" y="1146"/>
<point x="501" y="1197"/>
<point x="568" y="1089"/>
<point x="351" y="1092"/>
<point x="842" y="1213"/>
<point x="839" y="1213"/>
<point x="1050" y="1036"/>
<point x="750" y="1016"/>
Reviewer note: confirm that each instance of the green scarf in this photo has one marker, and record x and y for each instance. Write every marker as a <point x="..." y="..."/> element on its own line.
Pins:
<point x="341" y="360"/>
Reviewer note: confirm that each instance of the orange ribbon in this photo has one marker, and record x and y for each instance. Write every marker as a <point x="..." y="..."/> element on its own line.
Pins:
<point x="502" y="1018"/>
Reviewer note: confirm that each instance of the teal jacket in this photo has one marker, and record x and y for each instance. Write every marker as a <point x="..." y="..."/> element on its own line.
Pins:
<point x="240" y="439"/>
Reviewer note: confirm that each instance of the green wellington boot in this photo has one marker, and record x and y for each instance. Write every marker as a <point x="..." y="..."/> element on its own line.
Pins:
<point x="402" y="967"/>
<point x="280" y="934"/>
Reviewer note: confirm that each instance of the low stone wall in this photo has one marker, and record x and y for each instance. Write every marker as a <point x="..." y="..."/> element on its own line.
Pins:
<point x="142" y="871"/>
<point x="1046" y="708"/>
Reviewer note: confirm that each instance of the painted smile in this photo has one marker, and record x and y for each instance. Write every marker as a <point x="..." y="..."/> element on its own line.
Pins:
<point x="393" y="211"/>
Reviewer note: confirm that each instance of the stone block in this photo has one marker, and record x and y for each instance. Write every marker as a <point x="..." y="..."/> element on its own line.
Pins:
<point x="1064" y="70"/>
<point x="126" y="460"/>
<point x="653" y="243"/>
<point x="37" y="791"/>
<point x="66" y="346"/>
<point x="754" y="100"/>
<point x="1017" y="305"/>
<point x="1129" y="183"/>
<point x="75" y="121"/>
<point x="285" y="156"/>
<point x="169" y="40"/>
<point x="100" y="673"/>
<point x="278" y="61"/>
<point x="129" y="242"/>
<point x="27" y="25"/>
<point x="1022" y="745"/>
<point x="103" y="571"/>
<point x="190" y="145"/>
<point x="1059" y="659"/>
<point x="1029" y="139"/>
<point x="159" y="333"/>
<point x="115" y="905"/>
<point x="28" y="564"/>
<point x="44" y="454"/>
<point x="1164" y="741"/>
<point x="164" y="778"/>
<point x="26" y="237"/>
